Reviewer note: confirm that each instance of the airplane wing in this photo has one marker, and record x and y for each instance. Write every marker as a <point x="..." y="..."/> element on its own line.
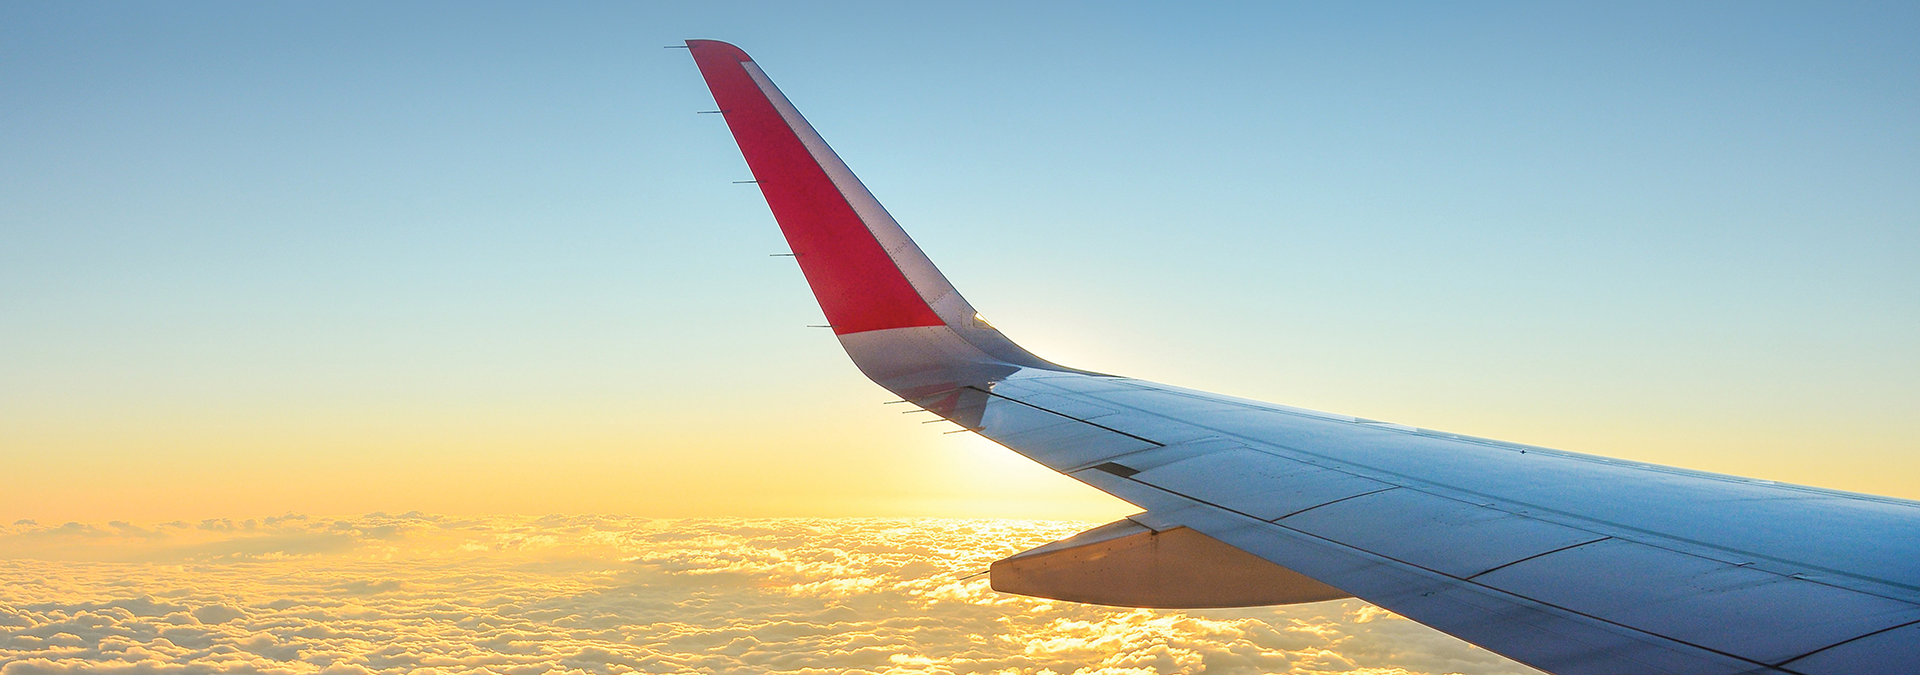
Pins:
<point x="1570" y="563"/>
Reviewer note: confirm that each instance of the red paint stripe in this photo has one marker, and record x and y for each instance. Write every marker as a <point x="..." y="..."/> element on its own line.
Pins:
<point x="857" y="283"/>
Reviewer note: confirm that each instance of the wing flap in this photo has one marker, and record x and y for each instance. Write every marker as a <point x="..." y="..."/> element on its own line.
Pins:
<point x="1868" y="654"/>
<point x="1756" y="615"/>
<point x="1541" y="635"/>
<point x="1130" y="565"/>
<point x="1426" y="530"/>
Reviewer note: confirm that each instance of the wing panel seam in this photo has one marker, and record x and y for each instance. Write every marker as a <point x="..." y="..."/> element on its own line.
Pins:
<point x="1584" y="522"/>
<point x="1484" y="587"/>
<point x="1336" y="501"/>
<point x="1076" y="419"/>
<point x="1542" y="554"/>
<point x="1855" y="638"/>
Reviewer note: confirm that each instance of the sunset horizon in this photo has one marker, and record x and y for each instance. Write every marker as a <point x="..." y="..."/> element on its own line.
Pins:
<point x="488" y="338"/>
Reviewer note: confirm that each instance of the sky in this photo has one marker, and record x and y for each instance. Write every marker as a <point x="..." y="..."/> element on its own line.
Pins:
<point x="484" y="258"/>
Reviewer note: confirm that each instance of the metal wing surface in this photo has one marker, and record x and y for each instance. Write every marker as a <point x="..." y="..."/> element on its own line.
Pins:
<point x="1567" y="562"/>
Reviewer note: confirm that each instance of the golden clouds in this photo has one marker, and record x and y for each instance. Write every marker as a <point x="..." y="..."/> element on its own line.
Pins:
<point x="417" y="593"/>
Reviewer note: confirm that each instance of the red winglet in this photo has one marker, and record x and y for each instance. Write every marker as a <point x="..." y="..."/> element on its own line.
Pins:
<point x="858" y="285"/>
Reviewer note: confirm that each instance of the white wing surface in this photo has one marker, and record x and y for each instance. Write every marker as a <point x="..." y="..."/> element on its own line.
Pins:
<point x="1570" y="563"/>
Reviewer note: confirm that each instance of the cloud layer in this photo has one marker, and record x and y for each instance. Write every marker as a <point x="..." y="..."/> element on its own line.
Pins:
<point x="513" y="595"/>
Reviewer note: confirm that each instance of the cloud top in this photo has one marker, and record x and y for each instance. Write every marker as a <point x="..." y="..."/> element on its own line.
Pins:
<point x="422" y="593"/>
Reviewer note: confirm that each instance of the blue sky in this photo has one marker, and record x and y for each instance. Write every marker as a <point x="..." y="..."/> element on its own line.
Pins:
<point x="474" y="257"/>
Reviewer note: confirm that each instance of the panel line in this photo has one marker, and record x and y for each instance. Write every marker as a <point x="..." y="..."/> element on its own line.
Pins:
<point x="1483" y="587"/>
<point x="1476" y="575"/>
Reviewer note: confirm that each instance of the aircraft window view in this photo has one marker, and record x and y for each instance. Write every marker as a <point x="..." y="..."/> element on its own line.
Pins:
<point x="1359" y="339"/>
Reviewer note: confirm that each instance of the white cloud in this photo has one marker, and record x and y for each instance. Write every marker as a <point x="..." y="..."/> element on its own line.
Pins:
<point x="421" y="593"/>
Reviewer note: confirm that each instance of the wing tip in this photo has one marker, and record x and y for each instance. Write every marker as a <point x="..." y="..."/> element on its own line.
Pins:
<point x="717" y="48"/>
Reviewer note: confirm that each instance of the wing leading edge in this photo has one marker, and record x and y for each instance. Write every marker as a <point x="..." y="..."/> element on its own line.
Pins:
<point x="1570" y="563"/>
